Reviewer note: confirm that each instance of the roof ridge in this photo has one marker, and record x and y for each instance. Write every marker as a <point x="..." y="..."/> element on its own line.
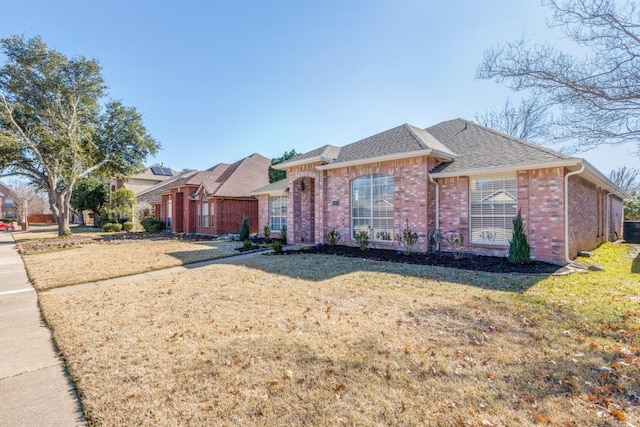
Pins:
<point x="411" y="128"/>
<point x="519" y="140"/>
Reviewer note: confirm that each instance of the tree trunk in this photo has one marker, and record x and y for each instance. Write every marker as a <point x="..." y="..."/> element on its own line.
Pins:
<point x="63" y="208"/>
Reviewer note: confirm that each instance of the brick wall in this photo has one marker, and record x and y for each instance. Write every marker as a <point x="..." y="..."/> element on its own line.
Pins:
<point x="541" y="201"/>
<point x="229" y="215"/>
<point x="454" y="209"/>
<point x="540" y="196"/>
<point x="263" y="211"/>
<point x="411" y="199"/>
<point x="583" y="215"/>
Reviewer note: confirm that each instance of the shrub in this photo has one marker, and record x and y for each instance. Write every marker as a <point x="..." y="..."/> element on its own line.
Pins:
<point x="127" y="226"/>
<point x="266" y="230"/>
<point x="519" y="249"/>
<point x="456" y="240"/>
<point x="246" y="245"/>
<point x="362" y="237"/>
<point x="277" y="246"/>
<point x="332" y="237"/>
<point x="117" y="227"/>
<point x="283" y="234"/>
<point x="244" y="229"/>
<point x="108" y="227"/>
<point x="152" y="225"/>
<point x="407" y="240"/>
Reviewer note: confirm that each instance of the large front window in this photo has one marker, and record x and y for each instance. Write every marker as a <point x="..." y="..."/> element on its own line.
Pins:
<point x="277" y="212"/>
<point x="205" y="215"/>
<point x="372" y="206"/>
<point x="494" y="204"/>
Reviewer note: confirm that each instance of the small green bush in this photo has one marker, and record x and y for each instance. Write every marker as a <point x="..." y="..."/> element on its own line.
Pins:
<point x="332" y="237"/>
<point x="277" y="246"/>
<point x="108" y="227"/>
<point x="266" y="230"/>
<point x="127" y="226"/>
<point x="362" y="237"/>
<point x="117" y="227"/>
<point x="246" y="245"/>
<point x="283" y="234"/>
<point x="152" y="225"/>
<point x="244" y="229"/>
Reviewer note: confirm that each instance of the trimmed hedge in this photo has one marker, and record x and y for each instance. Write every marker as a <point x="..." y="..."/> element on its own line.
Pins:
<point x="152" y="225"/>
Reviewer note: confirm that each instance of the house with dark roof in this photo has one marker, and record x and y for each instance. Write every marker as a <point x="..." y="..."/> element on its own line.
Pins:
<point x="142" y="181"/>
<point x="213" y="201"/>
<point x="456" y="178"/>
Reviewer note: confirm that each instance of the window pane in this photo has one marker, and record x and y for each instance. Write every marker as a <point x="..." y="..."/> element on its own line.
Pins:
<point x="277" y="212"/>
<point x="493" y="207"/>
<point x="372" y="206"/>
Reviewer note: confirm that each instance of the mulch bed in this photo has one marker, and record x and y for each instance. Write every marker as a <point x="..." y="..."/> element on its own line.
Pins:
<point x="490" y="264"/>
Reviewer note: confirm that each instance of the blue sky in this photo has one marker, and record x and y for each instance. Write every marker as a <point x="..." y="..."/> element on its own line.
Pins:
<point x="217" y="81"/>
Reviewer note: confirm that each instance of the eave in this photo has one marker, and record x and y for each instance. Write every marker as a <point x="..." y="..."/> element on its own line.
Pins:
<point x="396" y="156"/>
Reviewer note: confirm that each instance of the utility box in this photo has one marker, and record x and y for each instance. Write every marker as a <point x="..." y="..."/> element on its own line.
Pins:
<point x="632" y="231"/>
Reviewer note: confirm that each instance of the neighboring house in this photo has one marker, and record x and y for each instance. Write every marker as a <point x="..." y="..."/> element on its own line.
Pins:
<point x="7" y="206"/>
<point x="211" y="202"/>
<point x="455" y="177"/>
<point x="142" y="181"/>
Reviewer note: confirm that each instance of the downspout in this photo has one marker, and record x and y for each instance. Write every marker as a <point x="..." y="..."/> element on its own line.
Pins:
<point x="566" y="212"/>
<point x="437" y="201"/>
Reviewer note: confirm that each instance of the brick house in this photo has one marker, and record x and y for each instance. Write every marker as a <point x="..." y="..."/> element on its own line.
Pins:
<point x="7" y="207"/>
<point x="213" y="201"/>
<point x="456" y="177"/>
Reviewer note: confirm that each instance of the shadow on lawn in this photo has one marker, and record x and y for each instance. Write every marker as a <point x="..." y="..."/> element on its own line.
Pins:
<point x="319" y="267"/>
<point x="635" y="265"/>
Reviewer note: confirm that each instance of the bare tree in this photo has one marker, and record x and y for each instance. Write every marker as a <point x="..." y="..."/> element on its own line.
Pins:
<point x="626" y="178"/>
<point x="24" y="198"/>
<point x="530" y="120"/>
<point x="597" y="95"/>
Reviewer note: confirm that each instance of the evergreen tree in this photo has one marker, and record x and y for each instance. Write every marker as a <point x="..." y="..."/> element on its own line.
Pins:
<point x="244" y="229"/>
<point x="519" y="250"/>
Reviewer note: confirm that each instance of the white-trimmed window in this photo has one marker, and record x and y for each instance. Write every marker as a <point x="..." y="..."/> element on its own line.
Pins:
<point x="494" y="204"/>
<point x="199" y="214"/>
<point x="205" y="215"/>
<point x="372" y="206"/>
<point x="277" y="212"/>
<point x="168" y="213"/>
<point x="211" y="214"/>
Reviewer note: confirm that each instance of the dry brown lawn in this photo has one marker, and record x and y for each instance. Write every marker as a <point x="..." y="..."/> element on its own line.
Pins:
<point x="88" y="261"/>
<point x="317" y="340"/>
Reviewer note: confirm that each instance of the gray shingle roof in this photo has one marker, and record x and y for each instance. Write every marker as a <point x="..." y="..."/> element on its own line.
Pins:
<point x="479" y="147"/>
<point x="402" y="139"/>
<point x="272" y="188"/>
<point x="405" y="138"/>
<point x="328" y="151"/>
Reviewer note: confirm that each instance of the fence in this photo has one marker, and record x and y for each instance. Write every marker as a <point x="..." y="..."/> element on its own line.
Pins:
<point x="632" y="231"/>
<point x="41" y="219"/>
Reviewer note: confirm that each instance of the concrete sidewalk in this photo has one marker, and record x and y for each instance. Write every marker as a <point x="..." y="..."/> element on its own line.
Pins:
<point x="34" y="390"/>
